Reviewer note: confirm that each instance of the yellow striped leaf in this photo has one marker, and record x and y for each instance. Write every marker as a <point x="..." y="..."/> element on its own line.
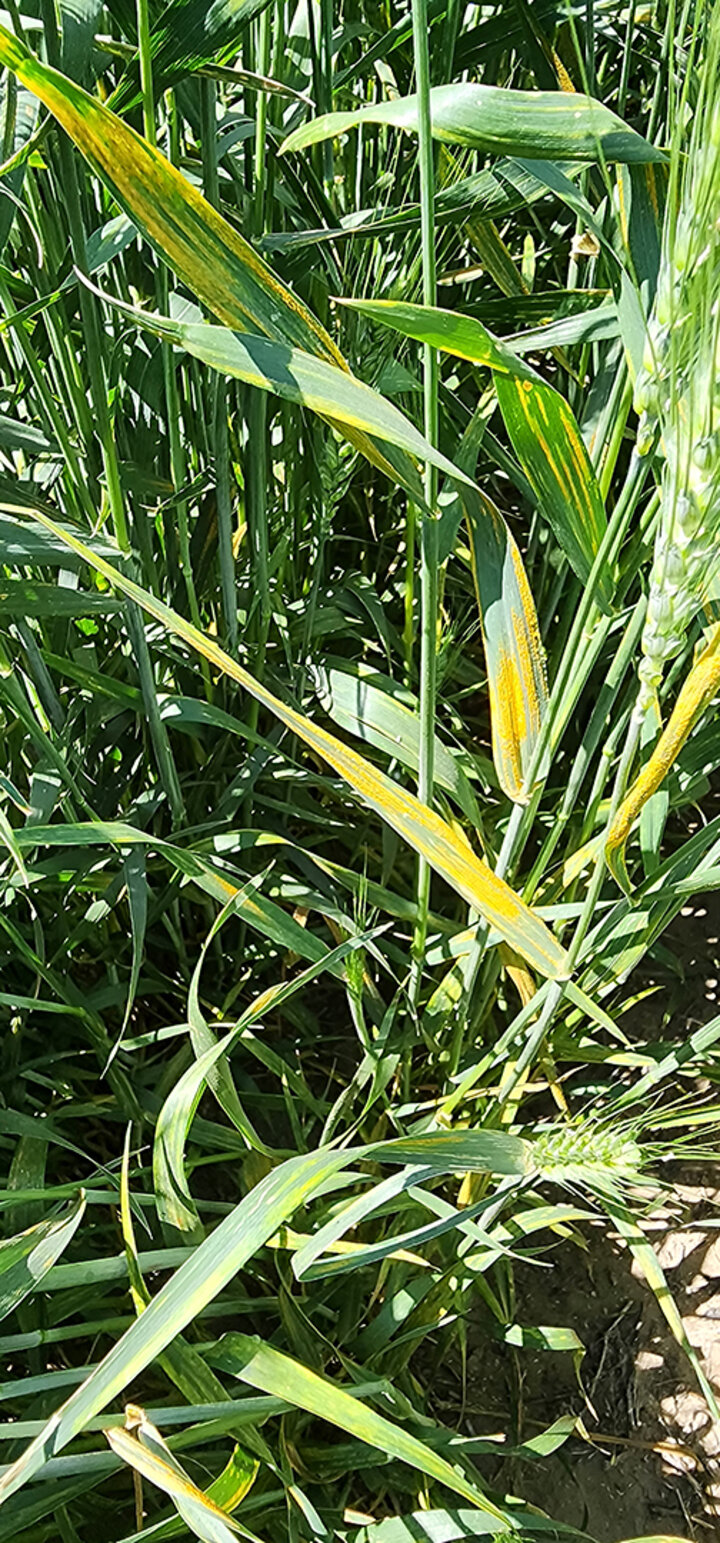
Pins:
<point x="551" y="450"/>
<point x="449" y="331"/>
<point x="542" y="426"/>
<point x="229" y="277"/>
<point x="236" y="1480"/>
<point x="200" y="246"/>
<point x="141" y="1446"/>
<point x="514" y="656"/>
<point x="513" y="650"/>
<point x="641" y="198"/>
<point x="424" y="830"/>
<point x="695" y="696"/>
<point x="235" y="284"/>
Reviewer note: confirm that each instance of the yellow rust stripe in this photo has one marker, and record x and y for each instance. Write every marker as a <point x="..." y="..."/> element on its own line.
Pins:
<point x="697" y="692"/>
<point x="434" y="838"/>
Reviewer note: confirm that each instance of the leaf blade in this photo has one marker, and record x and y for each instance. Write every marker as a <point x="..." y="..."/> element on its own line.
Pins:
<point x="295" y="375"/>
<point x="513" y="649"/>
<point x="553" y="125"/>
<point x="270" y="1371"/>
<point x="26" y="1259"/>
<point x="542" y="427"/>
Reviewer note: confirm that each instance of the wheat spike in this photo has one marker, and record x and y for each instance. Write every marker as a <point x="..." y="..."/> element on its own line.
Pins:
<point x="677" y="393"/>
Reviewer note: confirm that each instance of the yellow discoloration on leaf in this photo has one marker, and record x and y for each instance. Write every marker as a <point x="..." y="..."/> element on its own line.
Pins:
<point x="531" y="631"/>
<point x="195" y="240"/>
<point x="622" y="206"/>
<point x="279" y="1375"/>
<point x="564" y="80"/>
<point x="236" y="1480"/>
<point x="695" y="695"/>
<point x="239" y="288"/>
<point x="519" y="974"/>
<point x="420" y="826"/>
<point x="540" y="438"/>
<point x="650" y="178"/>
<point x="533" y="700"/>
<point x="578" y="451"/>
<point x="551" y="450"/>
<point x="141" y="1446"/>
<point x="508" y="721"/>
<point x="572" y="472"/>
<point x="538" y="404"/>
<point x="175" y="216"/>
<point x="515" y="711"/>
<point x="518" y="705"/>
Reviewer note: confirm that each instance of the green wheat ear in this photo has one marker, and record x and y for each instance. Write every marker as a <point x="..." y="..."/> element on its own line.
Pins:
<point x="677" y="393"/>
<point x="591" y="1153"/>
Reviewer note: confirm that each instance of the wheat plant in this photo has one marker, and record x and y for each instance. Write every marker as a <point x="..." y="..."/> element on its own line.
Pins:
<point x="358" y="524"/>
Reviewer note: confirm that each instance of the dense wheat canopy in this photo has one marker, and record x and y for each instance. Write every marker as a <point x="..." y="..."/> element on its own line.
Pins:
<point x="359" y="658"/>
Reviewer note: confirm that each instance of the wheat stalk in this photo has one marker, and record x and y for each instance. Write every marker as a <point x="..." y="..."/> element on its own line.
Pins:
<point x="676" y="392"/>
